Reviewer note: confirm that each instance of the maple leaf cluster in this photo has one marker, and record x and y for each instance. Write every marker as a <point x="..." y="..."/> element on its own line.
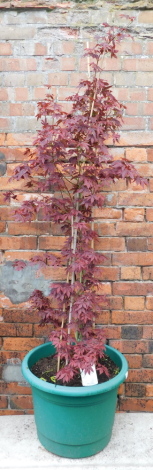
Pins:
<point x="68" y="169"/>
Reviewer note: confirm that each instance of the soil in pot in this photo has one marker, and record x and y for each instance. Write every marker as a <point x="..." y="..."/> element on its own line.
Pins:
<point x="46" y="368"/>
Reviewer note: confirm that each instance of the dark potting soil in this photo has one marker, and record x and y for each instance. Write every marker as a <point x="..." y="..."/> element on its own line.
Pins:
<point x="46" y="368"/>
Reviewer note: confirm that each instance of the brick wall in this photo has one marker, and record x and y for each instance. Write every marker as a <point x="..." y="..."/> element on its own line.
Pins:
<point x="125" y="226"/>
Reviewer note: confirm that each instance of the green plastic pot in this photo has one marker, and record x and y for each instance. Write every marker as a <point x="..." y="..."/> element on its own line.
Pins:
<point x="73" y="422"/>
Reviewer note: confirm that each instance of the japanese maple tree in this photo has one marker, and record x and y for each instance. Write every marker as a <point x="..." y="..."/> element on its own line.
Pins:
<point x="69" y="167"/>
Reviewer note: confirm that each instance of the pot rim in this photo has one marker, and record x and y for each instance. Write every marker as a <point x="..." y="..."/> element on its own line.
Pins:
<point x="75" y="391"/>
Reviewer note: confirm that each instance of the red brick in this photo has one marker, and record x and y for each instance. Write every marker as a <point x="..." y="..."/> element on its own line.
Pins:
<point x="132" y="317"/>
<point x="53" y="273"/>
<point x="18" y="315"/>
<point x="132" y="288"/>
<point x="136" y="244"/>
<point x="23" y="329"/>
<point x="134" y="229"/>
<point x="104" y="317"/>
<point x="148" y="332"/>
<point x="20" y="344"/>
<point x="51" y="242"/>
<point x="116" y="302"/>
<point x="21" y="402"/>
<point x="112" y="332"/>
<point x="150" y="244"/>
<point x="130" y="273"/>
<point x="7" y="329"/>
<point x="151" y="185"/>
<point x="104" y="228"/>
<point x="131" y="347"/>
<point x="2" y="227"/>
<point x="134" y="360"/>
<point x="104" y="288"/>
<point x="30" y="228"/>
<point x="134" y="303"/>
<point x="14" y="388"/>
<point x="3" y="402"/>
<point x="6" y="356"/>
<point x="149" y="302"/>
<point x="136" y="404"/>
<point x="147" y="273"/>
<point x="42" y="332"/>
<point x="150" y="155"/>
<point x="132" y="259"/>
<point x="134" y="214"/>
<point x="107" y="213"/>
<point x="135" y="390"/>
<point x="19" y="243"/>
<point x="110" y="244"/>
<point x="148" y="360"/>
<point x="12" y="412"/>
<point x="24" y="255"/>
<point x="149" y="215"/>
<point x="149" y="390"/>
<point x="143" y="375"/>
<point x="108" y="274"/>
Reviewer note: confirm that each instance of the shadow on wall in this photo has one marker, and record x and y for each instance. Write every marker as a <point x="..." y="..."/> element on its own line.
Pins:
<point x="19" y="285"/>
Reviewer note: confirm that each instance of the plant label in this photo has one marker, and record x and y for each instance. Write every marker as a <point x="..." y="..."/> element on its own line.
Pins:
<point x="89" y="379"/>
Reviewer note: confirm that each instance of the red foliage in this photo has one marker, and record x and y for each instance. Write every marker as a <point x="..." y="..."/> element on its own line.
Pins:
<point x="72" y="163"/>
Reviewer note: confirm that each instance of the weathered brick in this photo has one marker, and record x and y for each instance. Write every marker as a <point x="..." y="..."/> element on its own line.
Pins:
<point x="21" y="402"/>
<point x="5" y="48"/>
<point x="135" y="390"/>
<point x="140" y="317"/>
<point x="136" y="244"/>
<point x="148" y="360"/>
<point x="134" y="360"/>
<point x="7" y="329"/>
<point x="9" y="32"/>
<point x="3" y="402"/>
<point x="134" y="214"/>
<point x="136" y="404"/>
<point x="131" y="332"/>
<point x="130" y="273"/>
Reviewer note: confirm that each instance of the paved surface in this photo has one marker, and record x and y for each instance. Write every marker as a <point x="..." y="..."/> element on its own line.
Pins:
<point x="131" y="446"/>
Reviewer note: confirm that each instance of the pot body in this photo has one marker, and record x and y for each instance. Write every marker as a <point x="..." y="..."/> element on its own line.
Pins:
<point x="73" y="422"/>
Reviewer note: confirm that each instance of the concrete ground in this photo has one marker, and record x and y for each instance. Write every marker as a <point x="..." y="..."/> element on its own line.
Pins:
<point x="131" y="446"/>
